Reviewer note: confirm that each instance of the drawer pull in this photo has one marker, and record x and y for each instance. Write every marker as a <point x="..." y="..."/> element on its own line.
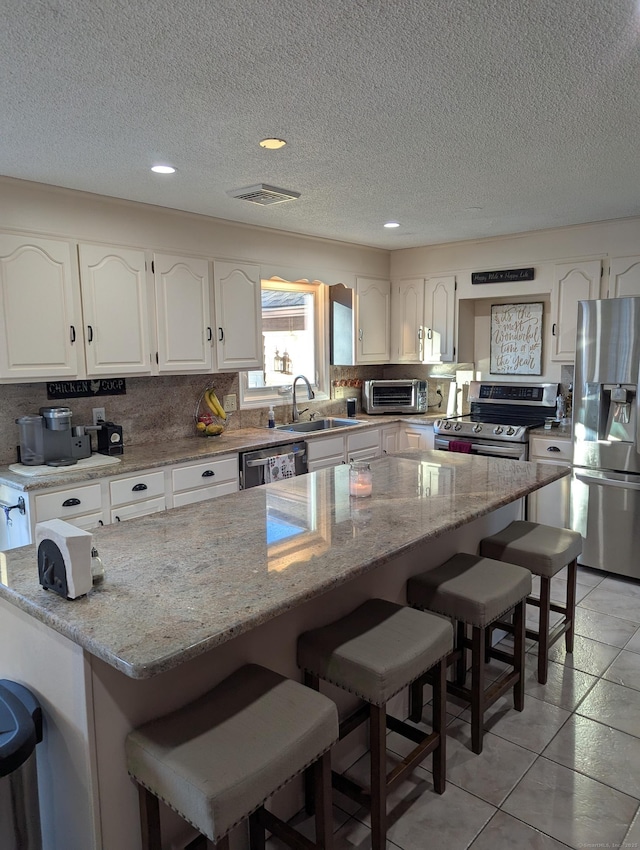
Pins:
<point x="553" y="449"/>
<point x="208" y="473"/>
<point x="70" y="503"/>
<point x="138" y="487"/>
<point x="100" y="522"/>
<point x="117" y="519"/>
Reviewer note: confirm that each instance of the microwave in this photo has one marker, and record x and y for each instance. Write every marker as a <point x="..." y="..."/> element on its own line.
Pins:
<point x="409" y="396"/>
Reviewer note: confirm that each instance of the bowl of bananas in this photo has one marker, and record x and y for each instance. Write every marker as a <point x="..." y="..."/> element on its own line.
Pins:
<point x="210" y="416"/>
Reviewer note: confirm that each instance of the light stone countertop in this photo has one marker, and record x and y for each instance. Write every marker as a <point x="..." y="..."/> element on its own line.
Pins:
<point x="181" y="582"/>
<point x="195" y="448"/>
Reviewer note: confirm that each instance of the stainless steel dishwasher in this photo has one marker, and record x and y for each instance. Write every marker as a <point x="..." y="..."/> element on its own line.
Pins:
<point x="258" y="467"/>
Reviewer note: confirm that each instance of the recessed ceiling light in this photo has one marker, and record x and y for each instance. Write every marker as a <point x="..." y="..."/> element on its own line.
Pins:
<point x="392" y="224"/>
<point x="272" y="144"/>
<point x="163" y="169"/>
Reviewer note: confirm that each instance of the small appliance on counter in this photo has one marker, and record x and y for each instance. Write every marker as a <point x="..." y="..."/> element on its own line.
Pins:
<point x="110" y="439"/>
<point x="48" y="438"/>
<point x="396" y="396"/>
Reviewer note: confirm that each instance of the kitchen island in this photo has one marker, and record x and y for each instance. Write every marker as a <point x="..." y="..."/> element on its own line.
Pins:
<point x="192" y="593"/>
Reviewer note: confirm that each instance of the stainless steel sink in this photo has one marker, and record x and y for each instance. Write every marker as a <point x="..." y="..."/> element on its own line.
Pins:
<point x="319" y="425"/>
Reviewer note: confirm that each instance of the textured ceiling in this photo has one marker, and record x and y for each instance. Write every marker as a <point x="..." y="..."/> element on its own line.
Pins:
<point x="459" y="119"/>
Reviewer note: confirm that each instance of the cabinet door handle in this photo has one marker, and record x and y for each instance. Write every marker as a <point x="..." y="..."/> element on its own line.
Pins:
<point x="429" y="333"/>
<point x="420" y="333"/>
<point x="138" y="487"/>
<point x="72" y="334"/>
<point x="118" y="519"/>
<point x="553" y="329"/>
<point x="208" y="473"/>
<point x="209" y="335"/>
<point x="360" y="334"/>
<point x="553" y="449"/>
<point x="100" y="522"/>
<point x="89" y="333"/>
<point x="70" y="503"/>
<point x="220" y="335"/>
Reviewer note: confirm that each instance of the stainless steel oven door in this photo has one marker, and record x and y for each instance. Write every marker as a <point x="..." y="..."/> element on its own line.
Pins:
<point x="488" y="448"/>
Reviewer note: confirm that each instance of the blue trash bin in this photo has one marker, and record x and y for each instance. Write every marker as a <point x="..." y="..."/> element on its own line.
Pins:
<point x="20" y="731"/>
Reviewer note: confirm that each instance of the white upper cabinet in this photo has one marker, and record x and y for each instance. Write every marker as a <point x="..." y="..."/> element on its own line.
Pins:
<point x="115" y="310"/>
<point x="439" y="319"/>
<point x="373" y="320"/>
<point x="624" y="277"/>
<point x="238" y="314"/>
<point x="183" y="314"/>
<point x="407" y="310"/>
<point x="40" y="325"/>
<point x="573" y="282"/>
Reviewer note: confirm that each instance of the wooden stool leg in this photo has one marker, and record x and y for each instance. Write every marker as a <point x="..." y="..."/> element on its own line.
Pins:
<point x="313" y="682"/>
<point x="488" y="645"/>
<point x="478" y="642"/>
<point x="324" y="809"/>
<point x="149" y="819"/>
<point x="572" y="574"/>
<point x="518" y="654"/>
<point x="416" y="700"/>
<point x="543" y="629"/>
<point x="378" y="746"/>
<point x="461" y="663"/>
<point x="440" y="725"/>
<point x="257" y="838"/>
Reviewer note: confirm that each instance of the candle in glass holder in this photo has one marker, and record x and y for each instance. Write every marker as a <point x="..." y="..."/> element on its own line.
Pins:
<point x="360" y="479"/>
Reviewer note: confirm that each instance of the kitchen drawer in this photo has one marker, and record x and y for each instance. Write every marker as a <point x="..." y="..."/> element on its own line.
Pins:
<point x="68" y="503"/>
<point x="546" y="448"/>
<point x="87" y="521"/>
<point x="150" y="506"/>
<point x="363" y="440"/>
<point x="190" y="497"/>
<point x="364" y="454"/>
<point x="137" y="488"/>
<point x="217" y="471"/>
<point x="331" y="447"/>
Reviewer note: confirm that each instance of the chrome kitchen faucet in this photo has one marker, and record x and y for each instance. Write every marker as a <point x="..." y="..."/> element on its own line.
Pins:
<point x="310" y="395"/>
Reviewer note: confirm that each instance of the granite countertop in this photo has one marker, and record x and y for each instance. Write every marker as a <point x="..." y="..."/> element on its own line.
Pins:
<point x="193" y="448"/>
<point x="183" y="581"/>
<point x="557" y="432"/>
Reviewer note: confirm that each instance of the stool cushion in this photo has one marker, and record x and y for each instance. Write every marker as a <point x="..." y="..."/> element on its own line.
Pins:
<point x="470" y="588"/>
<point x="543" y="549"/>
<point x="376" y="650"/>
<point x="220" y="757"/>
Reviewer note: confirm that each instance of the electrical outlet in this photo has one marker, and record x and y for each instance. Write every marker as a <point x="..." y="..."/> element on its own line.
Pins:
<point x="230" y="402"/>
<point x="99" y="414"/>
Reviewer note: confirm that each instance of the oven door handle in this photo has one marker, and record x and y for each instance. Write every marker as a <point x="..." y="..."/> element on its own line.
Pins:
<point x="485" y="449"/>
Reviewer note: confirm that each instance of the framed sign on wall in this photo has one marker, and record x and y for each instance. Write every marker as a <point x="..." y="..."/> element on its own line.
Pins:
<point x="516" y="339"/>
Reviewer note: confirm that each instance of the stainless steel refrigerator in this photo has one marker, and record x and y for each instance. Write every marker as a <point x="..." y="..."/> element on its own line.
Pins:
<point x="605" y="489"/>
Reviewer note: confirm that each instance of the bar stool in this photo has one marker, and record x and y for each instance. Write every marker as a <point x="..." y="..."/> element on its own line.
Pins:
<point x="375" y="652"/>
<point x="217" y="760"/>
<point x="544" y="550"/>
<point x="475" y="591"/>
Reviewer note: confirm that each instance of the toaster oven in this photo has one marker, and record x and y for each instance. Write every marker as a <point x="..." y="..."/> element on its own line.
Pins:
<point x="398" y="396"/>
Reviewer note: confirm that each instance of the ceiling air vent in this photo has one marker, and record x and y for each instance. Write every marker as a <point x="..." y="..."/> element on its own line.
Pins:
<point x="263" y="194"/>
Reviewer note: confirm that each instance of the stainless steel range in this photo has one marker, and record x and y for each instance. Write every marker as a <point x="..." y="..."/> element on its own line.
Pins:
<point x="502" y="414"/>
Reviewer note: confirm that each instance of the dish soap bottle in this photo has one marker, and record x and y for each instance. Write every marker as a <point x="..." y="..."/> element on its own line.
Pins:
<point x="272" y="418"/>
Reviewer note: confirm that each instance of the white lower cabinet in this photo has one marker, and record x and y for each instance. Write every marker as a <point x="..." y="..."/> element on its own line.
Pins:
<point x="138" y="509"/>
<point x="550" y="505"/>
<point x="201" y="481"/>
<point x="74" y="504"/>
<point x="389" y="438"/>
<point x="416" y="437"/>
<point x="363" y="445"/>
<point x="322" y="454"/>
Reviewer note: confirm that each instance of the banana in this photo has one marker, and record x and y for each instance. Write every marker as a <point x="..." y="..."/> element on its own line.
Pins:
<point x="214" y="404"/>
<point x="209" y="403"/>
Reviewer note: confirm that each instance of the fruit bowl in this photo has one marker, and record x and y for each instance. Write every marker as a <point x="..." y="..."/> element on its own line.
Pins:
<point x="210" y="417"/>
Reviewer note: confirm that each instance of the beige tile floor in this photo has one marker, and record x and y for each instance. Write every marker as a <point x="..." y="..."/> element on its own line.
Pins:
<point x="565" y="772"/>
